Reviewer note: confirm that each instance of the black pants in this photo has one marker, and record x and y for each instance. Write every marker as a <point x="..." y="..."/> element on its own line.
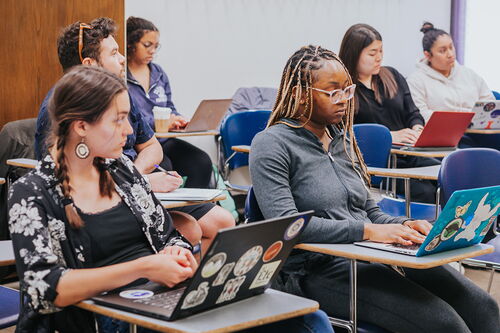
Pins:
<point x="433" y="300"/>
<point x="420" y="190"/>
<point x="188" y="161"/>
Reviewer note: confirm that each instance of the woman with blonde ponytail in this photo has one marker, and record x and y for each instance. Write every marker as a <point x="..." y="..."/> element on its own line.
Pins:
<point x="307" y="159"/>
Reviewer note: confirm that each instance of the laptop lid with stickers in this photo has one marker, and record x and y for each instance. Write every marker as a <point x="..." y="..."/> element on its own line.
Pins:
<point x="241" y="262"/>
<point x="486" y="115"/>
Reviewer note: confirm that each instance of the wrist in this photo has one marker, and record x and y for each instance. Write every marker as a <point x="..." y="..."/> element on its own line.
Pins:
<point x="367" y="232"/>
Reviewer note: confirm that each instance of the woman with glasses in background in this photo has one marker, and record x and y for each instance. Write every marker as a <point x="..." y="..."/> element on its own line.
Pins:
<point x="306" y="160"/>
<point x="383" y="97"/>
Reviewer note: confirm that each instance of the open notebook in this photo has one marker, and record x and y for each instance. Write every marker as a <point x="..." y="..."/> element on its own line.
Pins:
<point x="189" y="194"/>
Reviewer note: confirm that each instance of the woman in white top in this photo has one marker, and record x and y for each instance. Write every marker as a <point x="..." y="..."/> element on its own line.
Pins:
<point x="440" y="83"/>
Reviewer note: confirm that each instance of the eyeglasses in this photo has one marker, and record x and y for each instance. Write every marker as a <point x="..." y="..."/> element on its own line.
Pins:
<point x="80" y="39"/>
<point x="338" y="95"/>
<point x="150" y="46"/>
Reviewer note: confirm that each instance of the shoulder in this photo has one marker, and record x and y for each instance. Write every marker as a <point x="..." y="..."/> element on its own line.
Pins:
<point x="467" y="72"/>
<point x="157" y="69"/>
<point x="395" y="73"/>
<point x="273" y="136"/>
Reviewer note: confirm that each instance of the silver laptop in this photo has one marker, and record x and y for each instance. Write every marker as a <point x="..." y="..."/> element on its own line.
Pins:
<point x="464" y="221"/>
<point x="487" y="115"/>
<point x="207" y="116"/>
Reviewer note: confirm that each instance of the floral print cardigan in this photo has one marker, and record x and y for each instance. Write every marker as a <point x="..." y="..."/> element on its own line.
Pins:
<point x="46" y="247"/>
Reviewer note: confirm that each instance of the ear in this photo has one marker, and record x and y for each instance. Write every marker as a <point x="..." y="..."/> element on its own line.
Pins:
<point x="89" y="62"/>
<point x="80" y="127"/>
<point x="427" y="55"/>
<point x="301" y="98"/>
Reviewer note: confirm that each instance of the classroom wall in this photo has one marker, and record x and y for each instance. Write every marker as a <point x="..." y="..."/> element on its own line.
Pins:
<point x="29" y="65"/>
<point x="212" y="47"/>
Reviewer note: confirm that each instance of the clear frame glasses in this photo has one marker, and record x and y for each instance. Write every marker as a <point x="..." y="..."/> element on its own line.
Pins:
<point x="150" y="46"/>
<point x="338" y="95"/>
<point x="80" y="39"/>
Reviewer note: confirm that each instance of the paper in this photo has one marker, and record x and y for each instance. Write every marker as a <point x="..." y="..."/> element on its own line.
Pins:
<point x="189" y="194"/>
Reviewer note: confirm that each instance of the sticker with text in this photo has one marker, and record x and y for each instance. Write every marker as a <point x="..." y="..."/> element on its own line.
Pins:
<point x="248" y="260"/>
<point x="196" y="297"/>
<point x="294" y="228"/>
<point x="231" y="288"/>
<point x="136" y="294"/>
<point x="223" y="274"/>
<point x="265" y="274"/>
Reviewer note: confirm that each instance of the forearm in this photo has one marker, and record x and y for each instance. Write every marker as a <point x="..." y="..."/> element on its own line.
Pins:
<point x="148" y="157"/>
<point x="80" y="284"/>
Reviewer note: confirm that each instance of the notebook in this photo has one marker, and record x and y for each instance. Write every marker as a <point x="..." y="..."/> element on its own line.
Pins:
<point x="241" y="263"/>
<point x="486" y="115"/>
<point x="207" y="116"/>
<point x="189" y="194"/>
<point x="464" y="221"/>
<point x="443" y="131"/>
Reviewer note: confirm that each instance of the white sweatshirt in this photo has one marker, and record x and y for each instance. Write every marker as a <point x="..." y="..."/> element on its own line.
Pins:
<point x="432" y="91"/>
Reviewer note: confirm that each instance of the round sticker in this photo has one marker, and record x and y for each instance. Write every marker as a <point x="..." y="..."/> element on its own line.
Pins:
<point x="136" y="293"/>
<point x="294" y="229"/>
<point x="213" y="265"/>
<point x="433" y="243"/>
<point x="248" y="260"/>
<point x="272" y="251"/>
<point x="489" y="106"/>
<point x="451" y="229"/>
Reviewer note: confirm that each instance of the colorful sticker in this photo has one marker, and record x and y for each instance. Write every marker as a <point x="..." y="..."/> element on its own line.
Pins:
<point x="272" y="251"/>
<point x="231" y="288"/>
<point x="461" y="210"/>
<point x="489" y="106"/>
<point x="213" y="265"/>
<point x="487" y="227"/>
<point x="451" y="229"/>
<point x="482" y="213"/>
<point x="248" y="260"/>
<point x="294" y="228"/>
<point x="265" y="274"/>
<point x="223" y="274"/>
<point x="136" y="293"/>
<point x="196" y="297"/>
<point x="433" y="243"/>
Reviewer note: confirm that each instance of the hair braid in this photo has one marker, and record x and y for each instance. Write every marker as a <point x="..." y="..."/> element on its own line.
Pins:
<point x="298" y="75"/>
<point x="105" y="180"/>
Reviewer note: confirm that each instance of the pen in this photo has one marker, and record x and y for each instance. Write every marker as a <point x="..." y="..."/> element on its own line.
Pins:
<point x="163" y="170"/>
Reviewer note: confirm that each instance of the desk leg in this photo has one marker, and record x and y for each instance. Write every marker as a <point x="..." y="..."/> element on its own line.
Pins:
<point x="394" y="161"/>
<point x="133" y="328"/>
<point x="407" y="197"/>
<point x="354" y="295"/>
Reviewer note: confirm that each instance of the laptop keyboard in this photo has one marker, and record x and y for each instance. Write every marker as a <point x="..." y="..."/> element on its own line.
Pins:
<point x="407" y="247"/>
<point x="167" y="300"/>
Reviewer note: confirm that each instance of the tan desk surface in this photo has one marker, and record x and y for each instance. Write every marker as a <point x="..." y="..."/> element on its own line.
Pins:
<point x="430" y="172"/>
<point x="241" y="149"/>
<point x="23" y="162"/>
<point x="385" y="257"/>
<point x="269" y="307"/>
<point x="483" y="131"/>
<point x="439" y="154"/>
<point x="6" y="253"/>
<point x="181" y="134"/>
<point x="178" y="203"/>
<point x="2" y="180"/>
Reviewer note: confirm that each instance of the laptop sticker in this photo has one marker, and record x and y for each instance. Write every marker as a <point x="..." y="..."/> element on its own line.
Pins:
<point x="265" y="274"/>
<point x="461" y="210"/>
<point x="489" y="107"/>
<point x="294" y="229"/>
<point x="223" y="274"/>
<point x="483" y="212"/>
<point x="231" y="288"/>
<point x="248" y="260"/>
<point x="272" y="251"/>
<point x="196" y="297"/>
<point x="136" y="294"/>
<point x="213" y="265"/>
<point x="433" y="243"/>
<point x="451" y="229"/>
<point x="487" y="227"/>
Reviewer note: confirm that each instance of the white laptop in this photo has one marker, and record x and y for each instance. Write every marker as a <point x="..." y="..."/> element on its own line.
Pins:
<point x="487" y="115"/>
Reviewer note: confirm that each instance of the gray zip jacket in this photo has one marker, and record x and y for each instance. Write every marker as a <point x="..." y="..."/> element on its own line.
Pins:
<point x="291" y="172"/>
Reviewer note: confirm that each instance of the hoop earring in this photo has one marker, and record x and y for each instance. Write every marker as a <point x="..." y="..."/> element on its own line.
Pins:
<point x="82" y="150"/>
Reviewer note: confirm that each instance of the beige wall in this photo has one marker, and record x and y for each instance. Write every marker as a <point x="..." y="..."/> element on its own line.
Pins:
<point x="28" y="56"/>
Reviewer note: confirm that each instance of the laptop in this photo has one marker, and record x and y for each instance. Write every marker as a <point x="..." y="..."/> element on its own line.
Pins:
<point x="464" y="221"/>
<point x="443" y="131"/>
<point x="486" y="115"/>
<point x="241" y="263"/>
<point x="207" y="116"/>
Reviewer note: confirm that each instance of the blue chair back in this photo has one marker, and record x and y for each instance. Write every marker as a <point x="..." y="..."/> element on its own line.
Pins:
<point x="468" y="168"/>
<point x="496" y="94"/>
<point x="9" y="310"/>
<point x="239" y="129"/>
<point x="375" y="143"/>
<point x="252" y="209"/>
<point x="397" y="207"/>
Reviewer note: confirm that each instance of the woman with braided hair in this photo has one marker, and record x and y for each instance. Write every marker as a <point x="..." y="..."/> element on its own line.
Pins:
<point x="306" y="159"/>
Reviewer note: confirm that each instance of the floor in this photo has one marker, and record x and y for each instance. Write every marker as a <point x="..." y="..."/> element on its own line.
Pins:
<point x="479" y="276"/>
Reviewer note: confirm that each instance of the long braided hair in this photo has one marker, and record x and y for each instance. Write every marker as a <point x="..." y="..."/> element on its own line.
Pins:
<point x="296" y="82"/>
<point x="84" y="93"/>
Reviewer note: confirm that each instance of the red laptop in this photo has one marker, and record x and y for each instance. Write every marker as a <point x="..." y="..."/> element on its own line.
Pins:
<point x="443" y="131"/>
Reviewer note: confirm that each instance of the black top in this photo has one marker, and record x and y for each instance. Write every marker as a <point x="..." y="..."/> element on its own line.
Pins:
<point x="396" y="113"/>
<point x="115" y="236"/>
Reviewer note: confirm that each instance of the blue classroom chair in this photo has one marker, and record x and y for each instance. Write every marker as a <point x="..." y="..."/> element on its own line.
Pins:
<point x="496" y="94"/>
<point x="9" y="307"/>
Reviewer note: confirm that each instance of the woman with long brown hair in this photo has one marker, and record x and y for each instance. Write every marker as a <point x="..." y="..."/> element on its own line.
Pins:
<point x="307" y="160"/>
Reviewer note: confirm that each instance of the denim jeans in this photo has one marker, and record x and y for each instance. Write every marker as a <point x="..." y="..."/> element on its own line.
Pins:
<point x="316" y="322"/>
